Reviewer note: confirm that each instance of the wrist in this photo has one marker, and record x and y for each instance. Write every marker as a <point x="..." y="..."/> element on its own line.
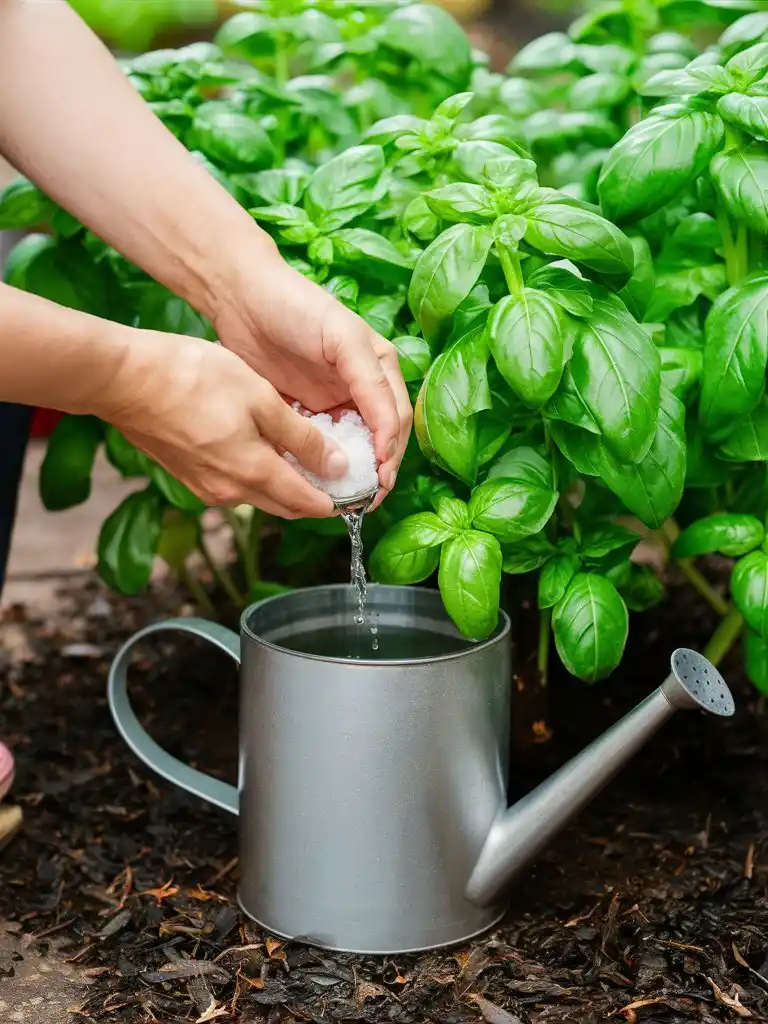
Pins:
<point x="240" y="258"/>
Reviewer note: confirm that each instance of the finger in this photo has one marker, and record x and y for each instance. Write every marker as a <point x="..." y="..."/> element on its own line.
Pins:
<point x="388" y="471"/>
<point x="289" y="431"/>
<point x="352" y="352"/>
<point x="279" y="483"/>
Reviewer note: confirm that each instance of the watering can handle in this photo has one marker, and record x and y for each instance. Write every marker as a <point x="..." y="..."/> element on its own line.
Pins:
<point x="220" y="794"/>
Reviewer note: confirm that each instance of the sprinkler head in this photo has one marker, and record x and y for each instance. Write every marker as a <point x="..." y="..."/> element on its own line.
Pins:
<point x="695" y="684"/>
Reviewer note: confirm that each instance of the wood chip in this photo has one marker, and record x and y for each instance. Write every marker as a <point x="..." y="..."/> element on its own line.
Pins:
<point x="494" y="1014"/>
<point x="732" y="1002"/>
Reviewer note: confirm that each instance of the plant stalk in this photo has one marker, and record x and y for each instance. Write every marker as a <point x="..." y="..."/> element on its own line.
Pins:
<point x="724" y="637"/>
<point x="699" y="581"/>
<point x="510" y="264"/>
<point x="196" y="589"/>
<point x="252" y="560"/>
<point x="221" y="576"/>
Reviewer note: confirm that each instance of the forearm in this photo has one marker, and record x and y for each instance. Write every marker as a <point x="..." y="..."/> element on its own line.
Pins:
<point x="61" y="359"/>
<point x="73" y="124"/>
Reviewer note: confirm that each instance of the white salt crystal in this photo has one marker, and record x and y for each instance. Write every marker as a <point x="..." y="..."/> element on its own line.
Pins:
<point x="356" y="441"/>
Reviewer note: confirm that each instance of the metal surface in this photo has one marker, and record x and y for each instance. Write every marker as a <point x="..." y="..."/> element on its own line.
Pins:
<point x="524" y="830"/>
<point x="373" y="812"/>
<point x="363" y="500"/>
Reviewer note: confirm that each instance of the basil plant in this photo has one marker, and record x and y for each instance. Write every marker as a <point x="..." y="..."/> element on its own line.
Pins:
<point x="570" y="260"/>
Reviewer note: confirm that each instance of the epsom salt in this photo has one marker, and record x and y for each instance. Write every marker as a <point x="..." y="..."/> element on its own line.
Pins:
<point x="356" y="441"/>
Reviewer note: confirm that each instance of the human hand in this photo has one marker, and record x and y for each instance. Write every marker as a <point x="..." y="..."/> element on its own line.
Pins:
<point x="313" y="349"/>
<point x="215" y="425"/>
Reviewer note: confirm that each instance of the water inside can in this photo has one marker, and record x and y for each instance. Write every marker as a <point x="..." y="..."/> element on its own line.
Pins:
<point x="352" y="642"/>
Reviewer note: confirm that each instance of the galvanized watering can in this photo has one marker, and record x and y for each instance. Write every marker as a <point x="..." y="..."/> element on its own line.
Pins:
<point x="372" y="792"/>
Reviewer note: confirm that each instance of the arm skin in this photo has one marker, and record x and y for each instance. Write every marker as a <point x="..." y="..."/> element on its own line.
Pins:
<point x="194" y="407"/>
<point x="76" y="127"/>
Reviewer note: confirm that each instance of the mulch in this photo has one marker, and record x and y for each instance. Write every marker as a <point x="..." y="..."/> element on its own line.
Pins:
<point x="653" y="907"/>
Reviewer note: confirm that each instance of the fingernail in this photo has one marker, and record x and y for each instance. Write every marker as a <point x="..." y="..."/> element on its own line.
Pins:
<point x="336" y="464"/>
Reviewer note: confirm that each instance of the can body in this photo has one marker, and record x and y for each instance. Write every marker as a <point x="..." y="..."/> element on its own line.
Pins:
<point x="367" y="788"/>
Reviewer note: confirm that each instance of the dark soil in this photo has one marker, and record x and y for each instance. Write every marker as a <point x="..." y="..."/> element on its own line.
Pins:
<point x="653" y="907"/>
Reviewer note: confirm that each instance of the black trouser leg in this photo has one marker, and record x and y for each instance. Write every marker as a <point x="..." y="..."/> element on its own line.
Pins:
<point x="15" y="422"/>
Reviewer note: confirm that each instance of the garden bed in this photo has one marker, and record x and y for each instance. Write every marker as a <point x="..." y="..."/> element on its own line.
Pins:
<point x="653" y="907"/>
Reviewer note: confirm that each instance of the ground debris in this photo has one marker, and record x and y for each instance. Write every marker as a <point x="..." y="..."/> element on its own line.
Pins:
<point x="652" y="909"/>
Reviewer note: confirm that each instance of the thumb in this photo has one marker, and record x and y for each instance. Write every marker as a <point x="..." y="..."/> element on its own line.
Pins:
<point x="285" y="428"/>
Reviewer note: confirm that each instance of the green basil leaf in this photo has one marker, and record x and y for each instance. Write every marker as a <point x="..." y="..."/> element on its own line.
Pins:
<point x="414" y="356"/>
<point x="749" y="65"/>
<point x="23" y="205"/>
<point x="528" y="465"/>
<point x="24" y="255"/>
<point x="344" y="187"/>
<point x="555" y="579"/>
<point x="672" y="82"/>
<point x="454" y="390"/>
<point x="615" y="372"/>
<point x="445" y="274"/>
<point x="388" y="129"/>
<point x="248" y="34"/>
<point x="345" y="289"/>
<point x="591" y="624"/>
<point x="558" y="229"/>
<point x="511" y="509"/>
<point x="469" y="579"/>
<point x="493" y="128"/>
<point x="704" y="470"/>
<point x="128" y="542"/>
<point x="749" y="441"/>
<point x="66" y="471"/>
<point x="744" y="32"/>
<point x="178" y="539"/>
<point x="680" y="288"/>
<point x="643" y="590"/>
<point x="472" y="158"/>
<point x="749" y="590"/>
<point x="419" y="220"/>
<point x="380" y="312"/>
<point x="453" y="512"/>
<point x="410" y="551"/>
<point x="756" y="661"/>
<point x="285" y="215"/>
<point x="175" y="493"/>
<point x="655" y="161"/>
<point x="727" y="534"/>
<point x="741" y="178"/>
<point x="531" y="338"/>
<point x="653" y="487"/>
<point x="566" y="287"/>
<point x="461" y="202"/>
<point x="278" y="185"/>
<point x="735" y="357"/>
<point x="604" y="89"/>
<point x="551" y="52"/>
<point x="680" y="370"/>
<point x="125" y="457"/>
<point x="556" y="131"/>
<point x="638" y="291"/>
<point x="528" y="555"/>
<point x="370" y="253"/>
<point x="607" y="539"/>
<point x="232" y="139"/>
<point x="519" y="97"/>
<point x="431" y="37"/>
<point x="161" y="310"/>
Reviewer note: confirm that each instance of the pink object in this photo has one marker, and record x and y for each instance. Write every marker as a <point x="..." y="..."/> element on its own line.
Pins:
<point x="7" y="770"/>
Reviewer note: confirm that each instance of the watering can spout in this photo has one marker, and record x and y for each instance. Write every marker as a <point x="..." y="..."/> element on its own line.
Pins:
<point x="519" y="833"/>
